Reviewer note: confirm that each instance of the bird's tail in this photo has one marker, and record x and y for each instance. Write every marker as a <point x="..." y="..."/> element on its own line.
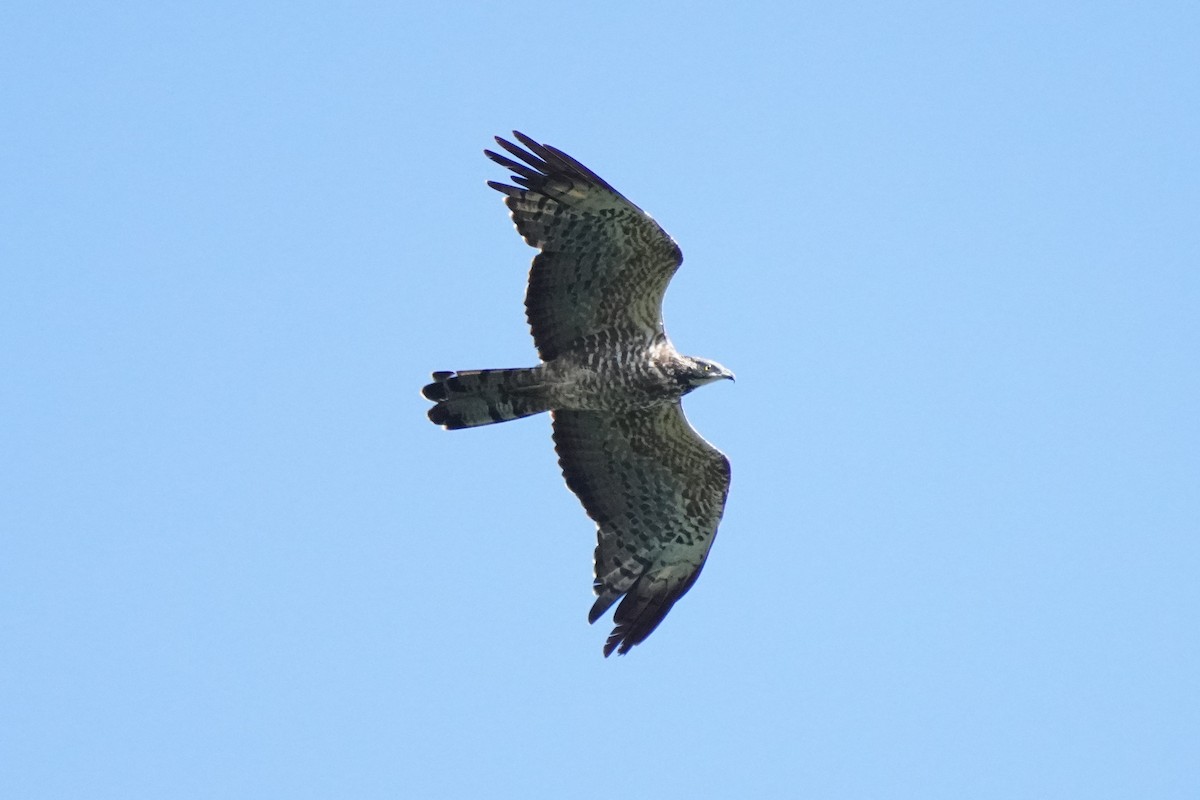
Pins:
<point x="483" y="396"/>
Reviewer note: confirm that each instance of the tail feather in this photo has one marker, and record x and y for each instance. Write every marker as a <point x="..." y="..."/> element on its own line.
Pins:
<point x="469" y="398"/>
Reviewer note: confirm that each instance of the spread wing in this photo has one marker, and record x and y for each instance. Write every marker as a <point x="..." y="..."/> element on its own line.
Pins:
<point x="656" y="490"/>
<point x="604" y="263"/>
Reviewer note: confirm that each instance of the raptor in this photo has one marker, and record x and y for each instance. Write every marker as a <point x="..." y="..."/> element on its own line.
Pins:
<point x="612" y="382"/>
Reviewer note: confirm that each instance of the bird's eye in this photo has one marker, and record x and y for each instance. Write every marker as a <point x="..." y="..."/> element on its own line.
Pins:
<point x="708" y="367"/>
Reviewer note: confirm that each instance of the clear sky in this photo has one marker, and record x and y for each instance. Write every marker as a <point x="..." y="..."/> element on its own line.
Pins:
<point x="950" y="249"/>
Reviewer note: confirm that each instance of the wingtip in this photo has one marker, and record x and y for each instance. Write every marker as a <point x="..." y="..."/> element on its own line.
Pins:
<point x="617" y="642"/>
<point x="604" y="601"/>
<point x="504" y="144"/>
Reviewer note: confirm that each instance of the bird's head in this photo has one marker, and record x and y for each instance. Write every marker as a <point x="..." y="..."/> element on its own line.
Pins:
<point x="699" y="371"/>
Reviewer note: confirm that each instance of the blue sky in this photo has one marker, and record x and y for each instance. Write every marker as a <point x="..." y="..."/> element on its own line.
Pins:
<point x="949" y="249"/>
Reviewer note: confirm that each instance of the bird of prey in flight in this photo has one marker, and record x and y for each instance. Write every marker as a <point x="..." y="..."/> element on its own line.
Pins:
<point x="612" y="382"/>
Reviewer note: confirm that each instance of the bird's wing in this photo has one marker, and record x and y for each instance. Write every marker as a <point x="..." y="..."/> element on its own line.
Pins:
<point x="656" y="490"/>
<point x="604" y="263"/>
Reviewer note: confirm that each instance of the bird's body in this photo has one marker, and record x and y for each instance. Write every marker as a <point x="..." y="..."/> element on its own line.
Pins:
<point x="608" y="379"/>
<point x="612" y="381"/>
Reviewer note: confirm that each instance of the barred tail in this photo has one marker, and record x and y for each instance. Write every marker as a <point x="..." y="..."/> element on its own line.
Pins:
<point x="480" y="397"/>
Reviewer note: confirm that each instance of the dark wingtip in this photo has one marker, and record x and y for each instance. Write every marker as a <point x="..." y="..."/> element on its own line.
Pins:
<point x="603" y="602"/>
<point x="618" y="642"/>
<point x="505" y="189"/>
<point x="531" y="157"/>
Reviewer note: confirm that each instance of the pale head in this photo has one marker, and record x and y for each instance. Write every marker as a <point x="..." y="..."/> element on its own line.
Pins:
<point x="695" y="372"/>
